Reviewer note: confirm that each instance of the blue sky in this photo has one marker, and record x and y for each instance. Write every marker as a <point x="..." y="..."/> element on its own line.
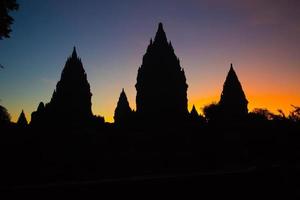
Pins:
<point x="260" y="37"/>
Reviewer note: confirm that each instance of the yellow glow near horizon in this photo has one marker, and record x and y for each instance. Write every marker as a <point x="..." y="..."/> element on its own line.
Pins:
<point x="272" y="102"/>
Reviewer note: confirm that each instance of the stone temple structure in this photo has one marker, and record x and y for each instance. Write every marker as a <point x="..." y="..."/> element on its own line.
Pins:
<point x="233" y="102"/>
<point x="161" y="84"/>
<point x="70" y="105"/>
<point x="123" y="113"/>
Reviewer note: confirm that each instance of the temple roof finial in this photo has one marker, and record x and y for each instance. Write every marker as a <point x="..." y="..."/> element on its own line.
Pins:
<point x="160" y="26"/>
<point x="74" y="54"/>
<point x="160" y="34"/>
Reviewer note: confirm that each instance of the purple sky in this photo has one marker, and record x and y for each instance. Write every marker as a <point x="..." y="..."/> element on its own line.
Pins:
<point x="260" y="37"/>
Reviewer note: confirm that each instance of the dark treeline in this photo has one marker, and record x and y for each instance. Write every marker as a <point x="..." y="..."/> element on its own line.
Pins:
<point x="65" y="141"/>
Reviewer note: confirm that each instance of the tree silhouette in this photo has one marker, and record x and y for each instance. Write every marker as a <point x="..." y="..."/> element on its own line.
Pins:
<point x="295" y="114"/>
<point x="123" y="112"/>
<point x="262" y="114"/>
<point x="22" y="121"/>
<point x="212" y="112"/>
<point x="4" y="116"/>
<point x="5" y="19"/>
<point x="233" y="102"/>
<point x="161" y="83"/>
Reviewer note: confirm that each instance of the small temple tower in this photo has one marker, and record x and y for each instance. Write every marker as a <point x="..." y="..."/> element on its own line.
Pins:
<point x="123" y="112"/>
<point x="233" y="102"/>
<point x="22" y="121"/>
<point x="194" y="114"/>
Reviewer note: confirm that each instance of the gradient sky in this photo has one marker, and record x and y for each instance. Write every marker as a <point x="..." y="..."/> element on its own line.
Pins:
<point x="260" y="37"/>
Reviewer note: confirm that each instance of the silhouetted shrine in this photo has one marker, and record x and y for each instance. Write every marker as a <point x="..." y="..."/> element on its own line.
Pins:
<point x="22" y="121"/>
<point x="123" y="113"/>
<point x="66" y="147"/>
<point x="233" y="102"/>
<point x="161" y="83"/>
<point x="70" y="104"/>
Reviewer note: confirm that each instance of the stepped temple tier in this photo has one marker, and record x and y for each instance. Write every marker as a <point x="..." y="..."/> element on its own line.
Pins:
<point x="161" y="84"/>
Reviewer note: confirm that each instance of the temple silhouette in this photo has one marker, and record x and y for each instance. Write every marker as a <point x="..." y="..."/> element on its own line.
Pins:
<point x="161" y="84"/>
<point x="70" y="105"/>
<point x="65" y="141"/>
<point x="233" y="102"/>
<point x="123" y="114"/>
<point x="22" y="121"/>
<point x="233" y="105"/>
<point x="161" y="98"/>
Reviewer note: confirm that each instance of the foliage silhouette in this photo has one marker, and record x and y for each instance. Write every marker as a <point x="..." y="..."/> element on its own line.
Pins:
<point x="212" y="111"/>
<point x="4" y="116"/>
<point x="5" y="19"/>
<point x="295" y="114"/>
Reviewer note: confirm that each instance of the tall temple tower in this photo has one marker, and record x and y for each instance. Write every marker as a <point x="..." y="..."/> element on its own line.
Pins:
<point x="72" y="94"/>
<point x="70" y="105"/>
<point x="161" y="83"/>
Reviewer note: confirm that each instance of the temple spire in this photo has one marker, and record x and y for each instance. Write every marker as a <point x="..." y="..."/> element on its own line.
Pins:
<point x="194" y="111"/>
<point x="160" y="36"/>
<point x="231" y="76"/>
<point x="74" y="54"/>
<point x="22" y="121"/>
<point x="123" y="112"/>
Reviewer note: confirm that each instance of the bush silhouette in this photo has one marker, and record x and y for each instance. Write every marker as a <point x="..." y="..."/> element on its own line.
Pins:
<point x="212" y="112"/>
<point x="295" y="114"/>
<point x="4" y="116"/>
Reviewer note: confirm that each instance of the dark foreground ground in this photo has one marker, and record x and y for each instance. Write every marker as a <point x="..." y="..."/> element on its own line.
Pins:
<point x="254" y="182"/>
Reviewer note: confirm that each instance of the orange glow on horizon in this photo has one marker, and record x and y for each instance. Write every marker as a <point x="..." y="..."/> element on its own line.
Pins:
<point x="272" y="102"/>
<point x="262" y="90"/>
